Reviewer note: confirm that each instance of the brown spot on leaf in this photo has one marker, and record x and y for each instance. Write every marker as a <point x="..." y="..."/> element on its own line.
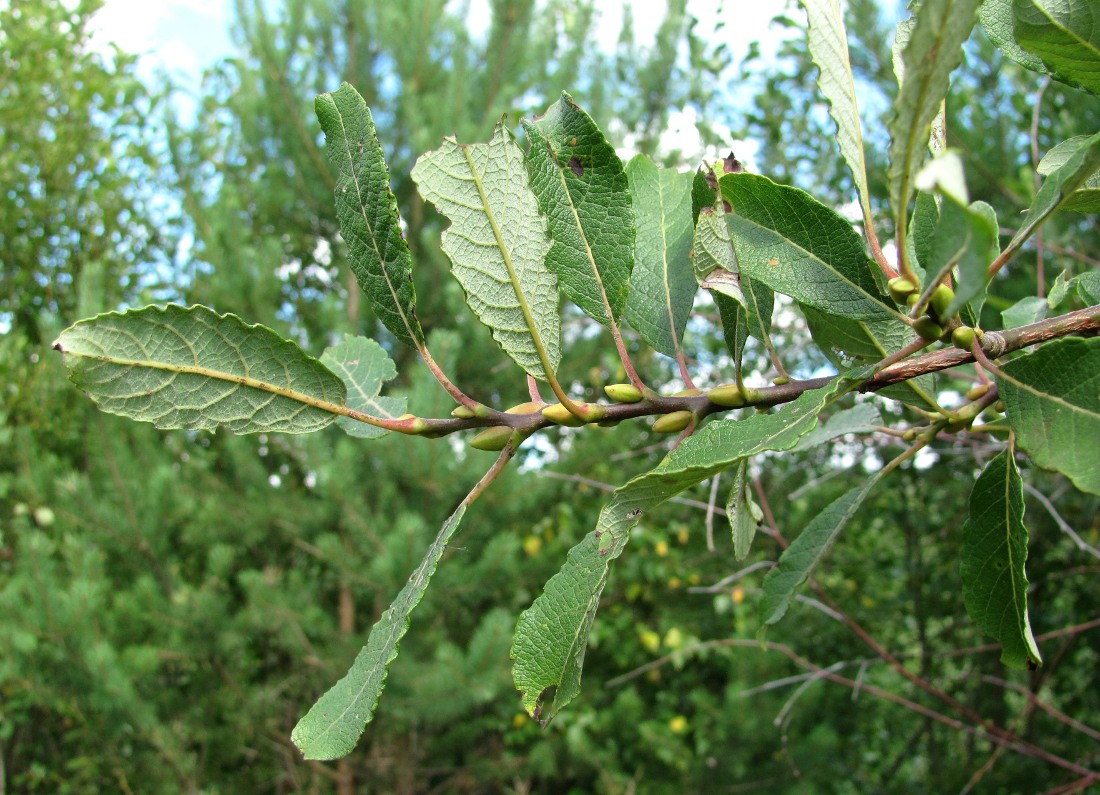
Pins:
<point x="773" y="262"/>
<point x="572" y="141"/>
<point x="706" y="211"/>
<point x="727" y="206"/>
<point x="712" y="180"/>
<point x="576" y="167"/>
<point x="731" y="165"/>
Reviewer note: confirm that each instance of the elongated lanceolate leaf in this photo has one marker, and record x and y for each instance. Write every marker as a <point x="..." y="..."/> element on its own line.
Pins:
<point x="799" y="559"/>
<point x="1086" y="198"/>
<point x="195" y="369"/>
<point x="551" y="636"/>
<point x="743" y="514"/>
<point x="367" y="211"/>
<point x="662" y="287"/>
<point x="582" y="188"/>
<point x="1065" y="34"/>
<point x="363" y="366"/>
<point x="851" y="343"/>
<point x="786" y="239"/>
<point x="933" y="50"/>
<point x="1052" y="399"/>
<point x="992" y="565"/>
<point x="332" y="726"/>
<point x="828" y="44"/>
<point x="1058" y="188"/>
<point x="497" y="243"/>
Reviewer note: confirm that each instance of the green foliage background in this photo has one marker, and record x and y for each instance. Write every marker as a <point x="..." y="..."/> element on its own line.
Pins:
<point x="173" y="602"/>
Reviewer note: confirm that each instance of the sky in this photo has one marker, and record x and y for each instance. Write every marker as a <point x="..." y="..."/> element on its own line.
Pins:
<point x="183" y="37"/>
<point x="186" y="35"/>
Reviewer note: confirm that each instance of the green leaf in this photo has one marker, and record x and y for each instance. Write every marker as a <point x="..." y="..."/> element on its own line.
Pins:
<point x="713" y="258"/>
<point x="1065" y="34"/>
<point x="702" y="194"/>
<point x="788" y="240"/>
<point x="363" y="366"/>
<point x="195" y="369"/>
<point x="735" y="327"/>
<point x="993" y="556"/>
<point x="997" y="18"/>
<point x="497" y="243"/>
<point x="332" y="726"/>
<point x="799" y="559"/>
<point x="751" y="316"/>
<point x="851" y="343"/>
<point x="1088" y="287"/>
<point x="860" y="418"/>
<point x="550" y="639"/>
<point x="965" y="238"/>
<point x="1028" y="310"/>
<point x="744" y="515"/>
<point x="582" y="189"/>
<point x="1060" y="290"/>
<point x="933" y="49"/>
<point x="828" y="44"/>
<point x="367" y="211"/>
<point x="926" y="214"/>
<point x="662" y="287"/>
<point x="1052" y="399"/>
<point x="1079" y="164"/>
<point x="1086" y="198"/>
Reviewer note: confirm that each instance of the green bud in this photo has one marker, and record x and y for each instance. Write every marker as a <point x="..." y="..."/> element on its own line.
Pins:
<point x="728" y="395"/>
<point x="928" y="328"/>
<point x="623" y="393"/>
<point x="559" y="414"/>
<point x="900" y="289"/>
<point x="941" y="298"/>
<point x="977" y="392"/>
<point x="912" y="299"/>
<point x="954" y="426"/>
<point x="462" y="413"/>
<point x="779" y="380"/>
<point x="673" y="422"/>
<point x="531" y="407"/>
<point x="963" y="337"/>
<point x="492" y="439"/>
<point x="688" y="393"/>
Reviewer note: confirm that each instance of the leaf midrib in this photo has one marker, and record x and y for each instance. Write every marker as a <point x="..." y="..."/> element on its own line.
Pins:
<point x="353" y="175"/>
<point x="513" y="277"/>
<point x="240" y="380"/>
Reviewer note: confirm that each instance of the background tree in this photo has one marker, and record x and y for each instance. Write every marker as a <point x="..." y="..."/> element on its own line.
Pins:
<point x="292" y="546"/>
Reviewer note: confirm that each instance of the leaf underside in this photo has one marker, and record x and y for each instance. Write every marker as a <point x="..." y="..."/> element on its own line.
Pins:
<point x="828" y="43"/>
<point x="363" y="366"/>
<point x="191" y="368"/>
<point x="497" y="243"/>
